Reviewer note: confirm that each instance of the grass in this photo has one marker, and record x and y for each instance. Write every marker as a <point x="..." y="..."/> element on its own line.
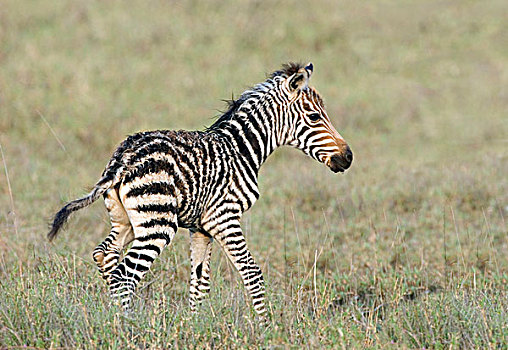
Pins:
<point x="406" y="250"/>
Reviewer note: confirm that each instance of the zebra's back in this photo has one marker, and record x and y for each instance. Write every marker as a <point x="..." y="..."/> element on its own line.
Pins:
<point x="190" y="168"/>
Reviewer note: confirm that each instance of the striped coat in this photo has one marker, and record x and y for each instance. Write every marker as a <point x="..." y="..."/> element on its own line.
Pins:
<point x="158" y="181"/>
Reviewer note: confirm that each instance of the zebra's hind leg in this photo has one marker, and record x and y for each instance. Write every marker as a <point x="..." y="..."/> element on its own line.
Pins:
<point x="107" y="254"/>
<point x="154" y="226"/>
<point x="201" y="251"/>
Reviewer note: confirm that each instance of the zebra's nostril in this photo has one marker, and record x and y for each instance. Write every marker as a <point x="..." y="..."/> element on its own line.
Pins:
<point x="341" y="161"/>
<point x="349" y="155"/>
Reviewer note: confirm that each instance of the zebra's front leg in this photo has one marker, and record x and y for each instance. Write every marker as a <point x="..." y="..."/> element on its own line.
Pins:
<point x="230" y="237"/>
<point x="201" y="251"/>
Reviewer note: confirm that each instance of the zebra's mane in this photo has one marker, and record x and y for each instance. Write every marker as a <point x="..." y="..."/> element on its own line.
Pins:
<point x="287" y="70"/>
<point x="233" y="105"/>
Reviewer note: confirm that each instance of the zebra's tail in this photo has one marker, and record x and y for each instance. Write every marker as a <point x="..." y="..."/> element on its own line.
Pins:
<point x="110" y="177"/>
<point x="61" y="217"/>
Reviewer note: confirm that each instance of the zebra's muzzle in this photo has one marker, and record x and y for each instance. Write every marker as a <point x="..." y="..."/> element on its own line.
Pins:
<point x="341" y="162"/>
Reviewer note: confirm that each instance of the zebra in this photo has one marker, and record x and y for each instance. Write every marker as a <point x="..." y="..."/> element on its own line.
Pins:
<point x="158" y="181"/>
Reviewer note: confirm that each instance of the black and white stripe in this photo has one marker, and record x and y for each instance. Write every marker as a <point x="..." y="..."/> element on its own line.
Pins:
<point x="158" y="181"/>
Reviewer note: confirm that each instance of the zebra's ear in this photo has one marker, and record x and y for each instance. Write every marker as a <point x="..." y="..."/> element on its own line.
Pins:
<point x="300" y="80"/>
<point x="309" y="68"/>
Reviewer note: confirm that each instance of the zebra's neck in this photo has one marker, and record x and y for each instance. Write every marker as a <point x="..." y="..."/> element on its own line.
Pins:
<point x="253" y="128"/>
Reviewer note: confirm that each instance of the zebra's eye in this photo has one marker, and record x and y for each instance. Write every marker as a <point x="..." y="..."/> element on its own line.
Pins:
<point x="314" y="117"/>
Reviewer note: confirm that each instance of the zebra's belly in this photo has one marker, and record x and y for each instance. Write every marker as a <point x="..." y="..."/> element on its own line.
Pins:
<point x="191" y="221"/>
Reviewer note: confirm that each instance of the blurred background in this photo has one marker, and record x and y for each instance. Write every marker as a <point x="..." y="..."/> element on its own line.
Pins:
<point x="419" y="89"/>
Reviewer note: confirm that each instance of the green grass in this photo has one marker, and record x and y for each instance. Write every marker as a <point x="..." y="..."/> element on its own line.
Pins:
<point x="408" y="249"/>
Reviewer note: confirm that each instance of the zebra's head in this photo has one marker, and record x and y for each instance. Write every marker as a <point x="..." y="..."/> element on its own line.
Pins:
<point x="309" y="127"/>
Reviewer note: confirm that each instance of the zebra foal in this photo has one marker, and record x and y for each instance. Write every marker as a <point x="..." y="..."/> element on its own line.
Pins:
<point x="157" y="181"/>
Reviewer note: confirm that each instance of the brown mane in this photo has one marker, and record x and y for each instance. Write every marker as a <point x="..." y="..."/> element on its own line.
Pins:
<point x="286" y="71"/>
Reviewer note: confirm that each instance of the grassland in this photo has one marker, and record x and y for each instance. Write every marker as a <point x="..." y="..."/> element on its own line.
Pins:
<point x="408" y="249"/>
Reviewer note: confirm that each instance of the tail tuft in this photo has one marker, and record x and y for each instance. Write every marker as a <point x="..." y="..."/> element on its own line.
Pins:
<point x="59" y="220"/>
<point x="110" y="176"/>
